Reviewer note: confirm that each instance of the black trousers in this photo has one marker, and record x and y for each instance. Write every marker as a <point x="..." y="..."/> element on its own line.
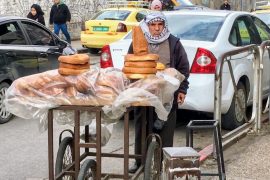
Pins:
<point x="166" y="133"/>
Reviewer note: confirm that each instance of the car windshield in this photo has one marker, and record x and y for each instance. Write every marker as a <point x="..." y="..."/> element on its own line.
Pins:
<point x="194" y="27"/>
<point x="112" y="15"/>
<point x="265" y="17"/>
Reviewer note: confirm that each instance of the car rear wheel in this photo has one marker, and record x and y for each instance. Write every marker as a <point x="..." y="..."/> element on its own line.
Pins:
<point x="94" y="50"/>
<point x="234" y="117"/>
<point x="5" y="116"/>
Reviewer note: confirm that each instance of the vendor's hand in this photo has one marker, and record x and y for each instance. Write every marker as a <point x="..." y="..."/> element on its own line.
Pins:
<point x="181" y="98"/>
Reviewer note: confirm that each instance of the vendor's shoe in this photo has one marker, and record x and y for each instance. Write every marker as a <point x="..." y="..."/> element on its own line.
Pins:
<point x="134" y="168"/>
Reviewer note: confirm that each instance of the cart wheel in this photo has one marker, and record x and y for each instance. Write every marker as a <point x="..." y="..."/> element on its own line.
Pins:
<point x="152" y="163"/>
<point x="65" y="156"/>
<point x="88" y="170"/>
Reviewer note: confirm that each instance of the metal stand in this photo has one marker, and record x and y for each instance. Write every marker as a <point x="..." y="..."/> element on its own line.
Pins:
<point x="215" y="127"/>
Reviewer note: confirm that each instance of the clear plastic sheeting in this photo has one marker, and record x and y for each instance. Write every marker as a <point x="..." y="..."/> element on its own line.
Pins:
<point x="32" y="96"/>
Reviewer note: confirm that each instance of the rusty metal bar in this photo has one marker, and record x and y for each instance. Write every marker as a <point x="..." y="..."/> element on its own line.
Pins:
<point x="144" y="124"/>
<point x="77" y="141"/>
<point x="126" y="145"/>
<point x="98" y="142"/>
<point x="115" y="155"/>
<point x="87" y="146"/>
<point x="50" y="145"/>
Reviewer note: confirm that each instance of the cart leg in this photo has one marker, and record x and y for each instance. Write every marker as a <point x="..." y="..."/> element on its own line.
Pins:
<point x="50" y="145"/>
<point x="98" y="142"/>
<point x="76" y="142"/>
<point x="143" y="128"/>
<point x="126" y="144"/>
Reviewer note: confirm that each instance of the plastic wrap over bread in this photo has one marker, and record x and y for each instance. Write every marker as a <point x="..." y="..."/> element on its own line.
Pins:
<point x="32" y="96"/>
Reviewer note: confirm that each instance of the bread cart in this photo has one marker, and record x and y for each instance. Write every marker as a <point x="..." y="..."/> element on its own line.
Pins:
<point x="69" y="158"/>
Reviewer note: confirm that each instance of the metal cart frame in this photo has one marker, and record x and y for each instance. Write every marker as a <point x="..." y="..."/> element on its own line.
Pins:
<point x="97" y="145"/>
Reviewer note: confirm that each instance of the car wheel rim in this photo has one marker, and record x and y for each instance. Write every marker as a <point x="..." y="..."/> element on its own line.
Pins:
<point x="4" y="114"/>
<point x="238" y="112"/>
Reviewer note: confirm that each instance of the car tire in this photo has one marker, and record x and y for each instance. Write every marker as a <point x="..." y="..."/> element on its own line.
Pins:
<point x="94" y="50"/>
<point x="5" y="116"/>
<point x="234" y="118"/>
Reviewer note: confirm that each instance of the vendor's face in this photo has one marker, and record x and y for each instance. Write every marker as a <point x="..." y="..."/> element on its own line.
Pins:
<point x="225" y="2"/>
<point x="156" y="28"/>
<point x="33" y="11"/>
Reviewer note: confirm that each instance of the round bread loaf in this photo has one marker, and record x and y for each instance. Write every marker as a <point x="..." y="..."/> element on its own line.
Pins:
<point x="147" y="57"/>
<point x="75" y="59"/>
<point x="137" y="76"/>
<point x="74" y="66"/>
<point x="133" y="70"/>
<point x="141" y="64"/>
<point x="67" y="72"/>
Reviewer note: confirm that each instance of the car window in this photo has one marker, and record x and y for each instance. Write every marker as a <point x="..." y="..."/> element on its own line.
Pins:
<point x="265" y="17"/>
<point x="38" y="35"/>
<point x="140" y="15"/>
<point x="112" y="15"/>
<point x="10" y="33"/>
<point x="244" y="33"/>
<point x="195" y="27"/>
<point x="263" y="29"/>
<point x="233" y="39"/>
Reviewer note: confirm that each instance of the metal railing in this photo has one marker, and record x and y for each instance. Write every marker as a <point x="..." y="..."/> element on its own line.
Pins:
<point x="125" y="3"/>
<point x="227" y="57"/>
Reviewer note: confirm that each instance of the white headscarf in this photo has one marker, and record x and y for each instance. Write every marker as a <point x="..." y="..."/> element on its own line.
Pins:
<point x="153" y="17"/>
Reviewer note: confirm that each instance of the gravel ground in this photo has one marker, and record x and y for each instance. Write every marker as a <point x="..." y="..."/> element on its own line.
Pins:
<point x="249" y="158"/>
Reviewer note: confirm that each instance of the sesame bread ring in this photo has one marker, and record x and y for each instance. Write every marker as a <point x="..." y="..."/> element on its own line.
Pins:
<point x="160" y="66"/>
<point x="74" y="66"/>
<point x="138" y="76"/>
<point x="75" y="59"/>
<point x="141" y="64"/>
<point x="147" y="57"/>
<point x="67" y="72"/>
<point x="132" y="70"/>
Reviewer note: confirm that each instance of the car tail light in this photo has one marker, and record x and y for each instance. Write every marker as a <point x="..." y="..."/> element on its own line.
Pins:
<point x="106" y="57"/>
<point x="204" y="62"/>
<point x="121" y="28"/>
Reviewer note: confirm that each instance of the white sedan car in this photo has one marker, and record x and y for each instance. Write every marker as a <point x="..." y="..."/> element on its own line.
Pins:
<point x="206" y="35"/>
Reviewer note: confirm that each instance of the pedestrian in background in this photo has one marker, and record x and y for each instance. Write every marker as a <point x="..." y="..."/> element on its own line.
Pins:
<point x="59" y="17"/>
<point x="156" y="5"/>
<point x="36" y="14"/>
<point x="225" y="6"/>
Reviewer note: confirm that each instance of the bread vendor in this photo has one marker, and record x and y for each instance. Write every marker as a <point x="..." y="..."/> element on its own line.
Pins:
<point x="172" y="54"/>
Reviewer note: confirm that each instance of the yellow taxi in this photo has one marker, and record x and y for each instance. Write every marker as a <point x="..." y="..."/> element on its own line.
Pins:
<point x="264" y="14"/>
<point x="110" y="25"/>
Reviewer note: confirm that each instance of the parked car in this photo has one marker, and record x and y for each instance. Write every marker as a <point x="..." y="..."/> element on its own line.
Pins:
<point x="110" y="25"/>
<point x="26" y="47"/>
<point x="206" y="35"/>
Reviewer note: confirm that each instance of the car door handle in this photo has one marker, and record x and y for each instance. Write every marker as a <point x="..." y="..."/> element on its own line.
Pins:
<point x="11" y="54"/>
<point x="43" y="55"/>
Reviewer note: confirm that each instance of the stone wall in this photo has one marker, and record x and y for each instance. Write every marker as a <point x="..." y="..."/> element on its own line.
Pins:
<point x="81" y="10"/>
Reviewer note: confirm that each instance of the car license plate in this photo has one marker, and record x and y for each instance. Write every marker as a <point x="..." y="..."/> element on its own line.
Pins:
<point x="101" y="28"/>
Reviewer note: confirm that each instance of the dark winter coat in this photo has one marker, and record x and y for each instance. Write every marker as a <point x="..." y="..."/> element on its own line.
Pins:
<point x="39" y="17"/>
<point x="59" y="14"/>
<point x="225" y="7"/>
<point x="178" y="60"/>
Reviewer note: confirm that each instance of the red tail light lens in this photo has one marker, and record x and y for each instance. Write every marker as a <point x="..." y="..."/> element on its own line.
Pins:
<point x="106" y="57"/>
<point x="204" y="62"/>
<point x="121" y="28"/>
